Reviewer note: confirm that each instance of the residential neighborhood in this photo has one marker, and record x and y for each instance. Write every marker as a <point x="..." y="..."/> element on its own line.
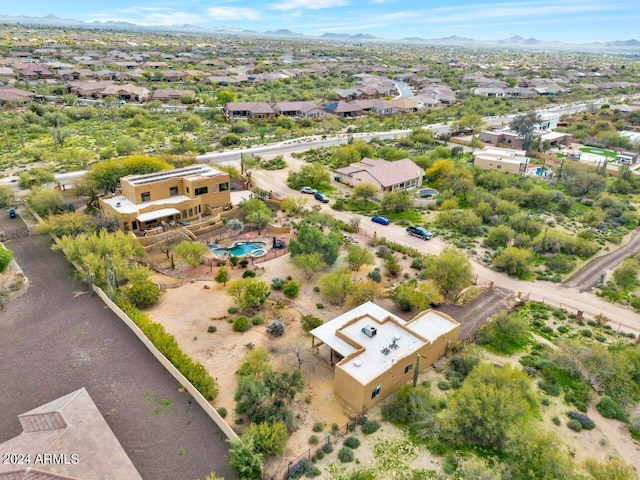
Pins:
<point x="273" y="256"/>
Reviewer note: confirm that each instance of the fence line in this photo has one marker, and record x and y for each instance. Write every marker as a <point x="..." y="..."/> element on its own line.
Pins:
<point x="334" y="438"/>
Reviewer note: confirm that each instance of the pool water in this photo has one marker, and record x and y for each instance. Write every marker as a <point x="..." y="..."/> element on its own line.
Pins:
<point x="240" y="249"/>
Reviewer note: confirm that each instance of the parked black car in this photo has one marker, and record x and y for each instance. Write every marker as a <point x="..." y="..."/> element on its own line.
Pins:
<point x="420" y="232"/>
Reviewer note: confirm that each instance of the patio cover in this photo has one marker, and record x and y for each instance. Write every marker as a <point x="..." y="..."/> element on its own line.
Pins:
<point x="163" y="212"/>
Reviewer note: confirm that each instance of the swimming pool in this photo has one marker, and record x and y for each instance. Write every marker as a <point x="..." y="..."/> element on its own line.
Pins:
<point x="241" y="249"/>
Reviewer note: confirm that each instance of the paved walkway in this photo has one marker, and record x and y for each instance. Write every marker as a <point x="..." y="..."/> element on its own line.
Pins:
<point x="57" y="338"/>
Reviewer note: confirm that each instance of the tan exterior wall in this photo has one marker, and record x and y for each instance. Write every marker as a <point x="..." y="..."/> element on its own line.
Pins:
<point x="358" y="396"/>
<point x="506" y="167"/>
<point x="217" y="195"/>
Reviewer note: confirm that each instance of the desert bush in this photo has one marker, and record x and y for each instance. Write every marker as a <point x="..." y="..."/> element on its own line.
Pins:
<point x="369" y="426"/>
<point x="276" y="328"/>
<point x="143" y="293"/>
<point x="352" y="442"/>
<point x="277" y="283"/>
<point x="299" y="469"/>
<point x="222" y="412"/>
<point x="241" y="324"/>
<point x="257" y="320"/>
<point x="313" y="440"/>
<point x="583" y="419"/>
<point x="212" y="329"/>
<point x="248" y="274"/>
<point x="327" y="448"/>
<point x="574" y="425"/>
<point x="309" y="322"/>
<point x="318" y="427"/>
<point x="291" y="288"/>
<point x="346" y="455"/>
<point x="609" y="408"/>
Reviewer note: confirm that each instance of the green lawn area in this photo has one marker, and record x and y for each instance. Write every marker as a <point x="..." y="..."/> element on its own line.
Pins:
<point x="599" y="151"/>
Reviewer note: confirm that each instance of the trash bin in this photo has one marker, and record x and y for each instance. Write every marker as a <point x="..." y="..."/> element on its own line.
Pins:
<point x="12" y="213"/>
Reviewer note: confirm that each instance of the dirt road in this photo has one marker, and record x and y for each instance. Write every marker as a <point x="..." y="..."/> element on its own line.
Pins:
<point x="568" y="296"/>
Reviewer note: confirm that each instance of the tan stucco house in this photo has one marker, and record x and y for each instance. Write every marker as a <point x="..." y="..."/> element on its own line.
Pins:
<point x="153" y="200"/>
<point x="503" y="159"/>
<point x="387" y="176"/>
<point x="374" y="352"/>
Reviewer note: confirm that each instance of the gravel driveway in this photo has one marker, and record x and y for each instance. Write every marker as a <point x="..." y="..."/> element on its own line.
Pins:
<point x="57" y="338"/>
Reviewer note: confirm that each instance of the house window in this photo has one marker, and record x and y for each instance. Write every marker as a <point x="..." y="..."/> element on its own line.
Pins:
<point x="202" y="190"/>
<point x="173" y="191"/>
<point x="408" y="368"/>
<point x="184" y="214"/>
<point x="191" y="212"/>
<point x="499" y="167"/>
<point x="224" y="186"/>
<point x="145" y="196"/>
<point x="375" y="392"/>
<point x="187" y="189"/>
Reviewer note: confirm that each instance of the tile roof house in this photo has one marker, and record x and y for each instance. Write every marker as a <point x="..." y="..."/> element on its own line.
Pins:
<point x="387" y="176"/>
<point x="168" y="94"/>
<point x="126" y="92"/>
<point x="342" y="109"/>
<point x="66" y="439"/>
<point x="379" y="107"/>
<point x="299" y="109"/>
<point x="376" y="352"/>
<point x="15" y="95"/>
<point x="248" y="110"/>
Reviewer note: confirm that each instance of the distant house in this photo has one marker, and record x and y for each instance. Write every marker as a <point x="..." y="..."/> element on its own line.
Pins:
<point x="503" y="159"/>
<point x="405" y="104"/>
<point x="234" y="110"/>
<point x="501" y="137"/>
<point x="299" y="110"/>
<point x="76" y="439"/>
<point x="627" y="158"/>
<point x="387" y="176"/>
<point x="342" y="109"/>
<point x="165" y="95"/>
<point x="374" y="352"/>
<point x="182" y="194"/>
<point x="379" y="107"/>
<point x="126" y="92"/>
<point x="488" y="91"/>
<point x="15" y="95"/>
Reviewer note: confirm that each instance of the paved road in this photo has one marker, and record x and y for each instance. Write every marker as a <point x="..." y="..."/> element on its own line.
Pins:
<point x="57" y="338"/>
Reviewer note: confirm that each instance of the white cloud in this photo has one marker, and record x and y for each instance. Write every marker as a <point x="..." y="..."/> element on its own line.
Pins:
<point x="308" y="4"/>
<point x="233" y="13"/>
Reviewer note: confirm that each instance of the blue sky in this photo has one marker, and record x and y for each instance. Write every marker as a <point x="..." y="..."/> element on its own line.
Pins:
<point x="572" y="21"/>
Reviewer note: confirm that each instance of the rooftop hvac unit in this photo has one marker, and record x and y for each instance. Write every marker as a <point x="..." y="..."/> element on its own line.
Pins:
<point x="357" y="363"/>
<point x="369" y="331"/>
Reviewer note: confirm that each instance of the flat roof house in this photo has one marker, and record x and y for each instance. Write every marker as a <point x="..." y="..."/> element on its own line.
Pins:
<point x="503" y="159"/>
<point x="376" y="351"/>
<point x="152" y="200"/>
<point x="387" y="176"/>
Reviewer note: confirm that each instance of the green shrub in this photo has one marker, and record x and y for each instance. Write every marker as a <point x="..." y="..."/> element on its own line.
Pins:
<point x="319" y="454"/>
<point x="232" y="310"/>
<point x="444" y="385"/>
<point x="585" y="332"/>
<point x="248" y="274"/>
<point x="291" y="289"/>
<point x="584" y="420"/>
<point x="327" y="448"/>
<point x="299" y="469"/>
<point x="309" y="322"/>
<point x="313" y="440"/>
<point x="212" y="329"/>
<point x="277" y="283"/>
<point x="574" y="425"/>
<point x="346" y="455"/>
<point x="375" y="275"/>
<point x="313" y="472"/>
<point x="556" y="421"/>
<point x="609" y="408"/>
<point x="222" y="412"/>
<point x="241" y="324"/>
<point x="352" y="442"/>
<point x="563" y="329"/>
<point x="550" y="388"/>
<point x="243" y="262"/>
<point x="369" y="427"/>
<point x="143" y="293"/>
<point x="318" y="427"/>
<point x="319" y="306"/>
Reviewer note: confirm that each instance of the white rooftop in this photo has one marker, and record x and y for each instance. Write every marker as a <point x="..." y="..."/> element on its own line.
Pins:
<point x="122" y="205"/>
<point x="395" y="340"/>
<point x="431" y="325"/>
<point x="155" y="214"/>
<point x="201" y="169"/>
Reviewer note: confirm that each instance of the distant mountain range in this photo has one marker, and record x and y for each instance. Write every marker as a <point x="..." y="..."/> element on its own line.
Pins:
<point x="514" y="42"/>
